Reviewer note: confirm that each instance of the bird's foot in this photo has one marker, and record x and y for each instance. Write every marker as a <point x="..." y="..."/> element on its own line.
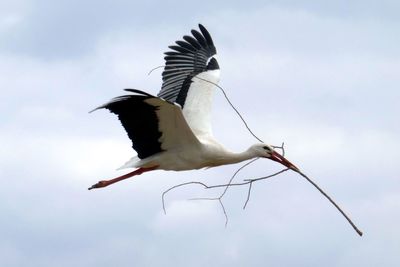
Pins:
<point x="105" y="183"/>
<point x="100" y="184"/>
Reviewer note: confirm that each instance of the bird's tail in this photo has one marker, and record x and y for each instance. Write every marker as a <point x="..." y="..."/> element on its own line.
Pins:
<point x="132" y="163"/>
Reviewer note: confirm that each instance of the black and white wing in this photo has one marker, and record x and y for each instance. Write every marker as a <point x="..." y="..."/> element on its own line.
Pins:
<point x="153" y="124"/>
<point x="189" y="78"/>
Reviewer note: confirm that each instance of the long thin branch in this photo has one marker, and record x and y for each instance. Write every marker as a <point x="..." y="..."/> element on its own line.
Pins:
<point x="250" y="183"/>
<point x="333" y="202"/>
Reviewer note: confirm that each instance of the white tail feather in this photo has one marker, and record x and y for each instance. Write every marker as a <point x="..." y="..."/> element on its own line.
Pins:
<point x="130" y="163"/>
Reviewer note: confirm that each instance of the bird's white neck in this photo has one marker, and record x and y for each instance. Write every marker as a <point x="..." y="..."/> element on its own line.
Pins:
<point x="232" y="157"/>
<point x="245" y="155"/>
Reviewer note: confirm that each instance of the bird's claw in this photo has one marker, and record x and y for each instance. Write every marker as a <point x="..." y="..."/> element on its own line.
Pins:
<point x="98" y="185"/>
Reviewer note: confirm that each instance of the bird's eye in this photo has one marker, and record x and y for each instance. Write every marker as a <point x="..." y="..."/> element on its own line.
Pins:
<point x="266" y="148"/>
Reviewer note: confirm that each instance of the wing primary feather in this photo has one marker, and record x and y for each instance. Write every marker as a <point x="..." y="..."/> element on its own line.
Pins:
<point x="186" y="45"/>
<point x="206" y="35"/>
<point x="199" y="38"/>
<point x="192" y="41"/>
<point x="138" y="92"/>
<point x="181" y="49"/>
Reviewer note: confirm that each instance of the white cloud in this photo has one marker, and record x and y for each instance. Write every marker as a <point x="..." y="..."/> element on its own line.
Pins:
<point x="8" y="22"/>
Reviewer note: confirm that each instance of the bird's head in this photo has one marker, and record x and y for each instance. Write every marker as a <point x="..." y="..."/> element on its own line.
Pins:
<point x="267" y="151"/>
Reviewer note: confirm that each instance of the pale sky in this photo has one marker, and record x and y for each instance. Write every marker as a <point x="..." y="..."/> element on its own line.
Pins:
<point x="323" y="77"/>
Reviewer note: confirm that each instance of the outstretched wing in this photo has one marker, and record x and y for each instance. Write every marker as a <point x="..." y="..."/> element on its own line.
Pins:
<point x="153" y="124"/>
<point x="189" y="78"/>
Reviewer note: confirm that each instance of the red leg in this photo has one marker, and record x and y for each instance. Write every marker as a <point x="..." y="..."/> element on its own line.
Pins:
<point x="105" y="183"/>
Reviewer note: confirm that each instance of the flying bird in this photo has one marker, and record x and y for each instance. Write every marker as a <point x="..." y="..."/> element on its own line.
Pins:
<point x="172" y="131"/>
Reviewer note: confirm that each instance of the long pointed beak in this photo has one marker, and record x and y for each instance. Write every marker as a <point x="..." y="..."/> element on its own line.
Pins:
<point x="275" y="156"/>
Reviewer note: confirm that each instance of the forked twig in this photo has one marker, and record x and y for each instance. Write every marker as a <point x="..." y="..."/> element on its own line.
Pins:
<point x="250" y="181"/>
<point x="219" y="199"/>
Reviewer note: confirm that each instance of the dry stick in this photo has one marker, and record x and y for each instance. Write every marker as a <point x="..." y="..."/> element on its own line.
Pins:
<point x="322" y="192"/>
<point x="248" y="195"/>
<point x="250" y="181"/>
<point x="205" y="186"/>
<point x="224" y="211"/>
<point x="333" y="202"/>
<point x="283" y="151"/>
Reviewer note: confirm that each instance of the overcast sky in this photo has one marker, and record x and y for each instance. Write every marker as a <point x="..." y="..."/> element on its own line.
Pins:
<point x="321" y="76"/>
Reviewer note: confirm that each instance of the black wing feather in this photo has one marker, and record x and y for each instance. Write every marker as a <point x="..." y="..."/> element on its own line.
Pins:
<point x="139" y="120"/>
<point x="199" y="38"/>
<point x="192" y="41"/>
<point x="206" y="35"/>
<point x="186" y="45"/>
<point x="189" y="57"/>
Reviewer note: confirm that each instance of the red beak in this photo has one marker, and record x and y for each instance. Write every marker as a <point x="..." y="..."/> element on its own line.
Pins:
<point x="275" y="156"/>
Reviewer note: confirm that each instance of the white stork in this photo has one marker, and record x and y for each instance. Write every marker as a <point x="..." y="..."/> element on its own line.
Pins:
<point x="172" y="131"/>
